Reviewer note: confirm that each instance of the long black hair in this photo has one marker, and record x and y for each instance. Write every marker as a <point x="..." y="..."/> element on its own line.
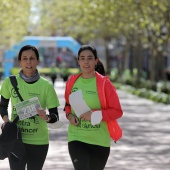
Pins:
<point x="99" y="67"/>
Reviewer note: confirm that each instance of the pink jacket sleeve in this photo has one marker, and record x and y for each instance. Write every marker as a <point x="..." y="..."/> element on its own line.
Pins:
<point x="113" y="109"/>
<point x="67" y="107"/>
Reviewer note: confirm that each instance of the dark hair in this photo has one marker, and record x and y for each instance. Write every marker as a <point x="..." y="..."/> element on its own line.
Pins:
<point x="28" y="47"/>
<point x="99" y="67"/>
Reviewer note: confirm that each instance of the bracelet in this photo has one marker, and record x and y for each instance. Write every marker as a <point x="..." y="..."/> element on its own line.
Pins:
<point x="68" y="115"/>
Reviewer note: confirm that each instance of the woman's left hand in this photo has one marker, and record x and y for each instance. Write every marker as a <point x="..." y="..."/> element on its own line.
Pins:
<point x="42" y="114"/>
<point x="86" y="116"/>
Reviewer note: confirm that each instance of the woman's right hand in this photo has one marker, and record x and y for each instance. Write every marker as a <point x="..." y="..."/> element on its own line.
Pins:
<point x="73" y="119"/>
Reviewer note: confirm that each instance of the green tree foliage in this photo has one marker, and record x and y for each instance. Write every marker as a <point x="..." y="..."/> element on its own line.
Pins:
<point x="14" y="21"/>
<point x="139" y="23"/>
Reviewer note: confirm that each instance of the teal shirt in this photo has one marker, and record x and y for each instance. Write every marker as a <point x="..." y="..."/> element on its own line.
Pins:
<point x="85" y="131"/>
<point x="34" y="130"/>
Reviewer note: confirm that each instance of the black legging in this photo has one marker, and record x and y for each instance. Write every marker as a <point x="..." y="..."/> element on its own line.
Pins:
<point x="88" y="157"/>
<point x="35" y="158"/>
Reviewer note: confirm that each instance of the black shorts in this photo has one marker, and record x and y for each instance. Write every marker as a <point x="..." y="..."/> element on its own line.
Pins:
<point x="34" y="158"/>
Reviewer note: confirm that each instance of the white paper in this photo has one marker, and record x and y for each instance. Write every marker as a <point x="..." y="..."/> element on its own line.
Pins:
<point x="55" y="125"/>
<point x="96" y="117"/>
<point x="77" y="103"/>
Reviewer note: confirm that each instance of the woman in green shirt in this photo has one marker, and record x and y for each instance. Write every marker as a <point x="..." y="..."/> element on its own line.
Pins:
<point x="34" y="130"/>
<point x="88" y="132"/>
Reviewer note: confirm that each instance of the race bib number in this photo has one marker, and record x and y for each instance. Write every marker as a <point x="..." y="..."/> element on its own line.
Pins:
<point x="28" y="108"/>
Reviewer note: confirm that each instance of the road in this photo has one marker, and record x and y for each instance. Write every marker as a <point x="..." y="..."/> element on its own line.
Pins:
<point x="145" y="144"/>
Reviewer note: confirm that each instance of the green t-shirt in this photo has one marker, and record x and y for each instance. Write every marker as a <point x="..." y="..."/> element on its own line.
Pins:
<point x="85" y="131"/>
<point x="34" y="130"/>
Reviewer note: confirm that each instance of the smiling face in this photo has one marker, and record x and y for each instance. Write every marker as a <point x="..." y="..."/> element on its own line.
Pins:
<point x="28" y="62"/>
<point x="87" y="63"/>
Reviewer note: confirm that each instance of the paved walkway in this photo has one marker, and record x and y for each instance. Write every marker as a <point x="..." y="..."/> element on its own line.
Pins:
<point x="145" y="144"/>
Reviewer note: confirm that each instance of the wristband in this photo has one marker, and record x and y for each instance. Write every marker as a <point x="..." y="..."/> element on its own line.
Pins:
<point x="68" y="115"/>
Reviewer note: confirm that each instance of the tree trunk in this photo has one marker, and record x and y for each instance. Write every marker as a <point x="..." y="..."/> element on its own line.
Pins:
<point x="107" y="59"/>
<point x="131" y="56"/>
<point x="153" y="68"/>
<point x="139" y="63"/>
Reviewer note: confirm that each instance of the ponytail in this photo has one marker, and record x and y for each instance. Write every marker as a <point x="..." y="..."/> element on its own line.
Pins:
<point x="100" y="68"/>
